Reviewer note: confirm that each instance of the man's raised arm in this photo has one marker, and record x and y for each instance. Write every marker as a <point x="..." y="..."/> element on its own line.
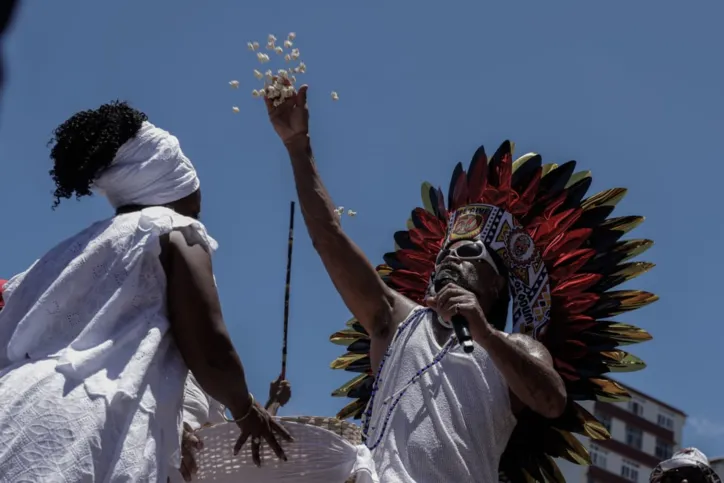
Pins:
<point x="378" y="308"/>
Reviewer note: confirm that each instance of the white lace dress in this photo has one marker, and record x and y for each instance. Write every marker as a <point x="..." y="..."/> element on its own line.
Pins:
<point x="91" y="381"/>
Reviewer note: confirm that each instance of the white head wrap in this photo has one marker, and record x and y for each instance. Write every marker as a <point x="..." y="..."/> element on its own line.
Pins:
<point x="149" y="169"/>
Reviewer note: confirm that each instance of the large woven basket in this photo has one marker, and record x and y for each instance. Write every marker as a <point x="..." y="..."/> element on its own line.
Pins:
<point x="217" y="463"/>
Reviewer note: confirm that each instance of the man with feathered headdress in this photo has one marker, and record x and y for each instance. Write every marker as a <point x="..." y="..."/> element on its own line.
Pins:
<point x="443" y="403"/>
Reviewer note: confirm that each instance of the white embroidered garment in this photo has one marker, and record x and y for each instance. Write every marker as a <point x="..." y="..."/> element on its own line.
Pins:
<point x="316" y="455"/>
<point x="451" y="425"/>
<point x="199" y="409"/>
<point x="91" y="381"/>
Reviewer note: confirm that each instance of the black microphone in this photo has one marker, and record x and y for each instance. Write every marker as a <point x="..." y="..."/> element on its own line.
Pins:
<point x="460" y="325"/>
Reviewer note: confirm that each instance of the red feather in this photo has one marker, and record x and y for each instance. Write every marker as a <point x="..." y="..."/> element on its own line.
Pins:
<point x="430" y="222"/>
<point x="525" y="199"/>
<point x="460" y="192"/>
<point x="567" y="242"/>
<point x="577" y="284"/>
<point x="477" y="178"/>
<point x="577" y="304"/>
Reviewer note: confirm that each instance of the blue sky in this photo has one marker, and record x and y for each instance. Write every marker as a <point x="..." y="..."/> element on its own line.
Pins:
<point x="631" y="91"/>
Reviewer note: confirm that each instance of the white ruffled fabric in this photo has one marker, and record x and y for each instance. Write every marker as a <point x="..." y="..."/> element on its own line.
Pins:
<point x="91" y="381"/>
<point x="149" y="169"/>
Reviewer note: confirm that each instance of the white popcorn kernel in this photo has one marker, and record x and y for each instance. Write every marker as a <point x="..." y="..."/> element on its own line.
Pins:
<point x="340" y="208"/>
<point x="283" y="74"/>
<point x="235" y="109"/>
<point x="295" y="54"/>
<point x="255" y="45"/>
<point x="302" y="68"/>
<point x="258" y="74"/>
<point x="335" y="96"/>
<point x="255" y="93"/>
<point x="292" y="36"/>
<point x="269" y="75"/>
<point x="278" y="50"/>
<point x="250" y="46"/>
<point x="351" y="213"/>
<point x="288" y="44"/>
<point x="287" y="58"/>
<point x="270" y="46"/>
<point x="234" y="84"/>
<point x="272" y="39"/>
<point x="293" y="79"/>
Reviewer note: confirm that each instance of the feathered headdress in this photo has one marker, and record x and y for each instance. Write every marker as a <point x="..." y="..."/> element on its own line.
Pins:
<point x="564" y="255"/>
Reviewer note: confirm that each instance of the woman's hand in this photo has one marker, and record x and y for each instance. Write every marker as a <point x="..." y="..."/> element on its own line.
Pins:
<point x="280" y="391"/>
<point x="291" y="119"/>
<point x="256" y="424"/>
<point x="190" y="443"/>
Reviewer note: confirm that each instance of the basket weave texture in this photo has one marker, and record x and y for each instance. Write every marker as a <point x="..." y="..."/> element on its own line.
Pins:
<point x="217" y="463"/>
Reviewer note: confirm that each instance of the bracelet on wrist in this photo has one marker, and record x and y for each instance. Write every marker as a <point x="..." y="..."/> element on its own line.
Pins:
<point x="246" y="415"/>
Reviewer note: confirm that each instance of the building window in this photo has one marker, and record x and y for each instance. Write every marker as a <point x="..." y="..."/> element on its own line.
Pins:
<point x="630" y="471"/>
<point x="598" y="456"/>
<point x="664" y="449"/>
<point x="636" y="407"/>
<point x="634" y="436"/>
<point x="665" y="421"/>
<point x="605" y="419"/>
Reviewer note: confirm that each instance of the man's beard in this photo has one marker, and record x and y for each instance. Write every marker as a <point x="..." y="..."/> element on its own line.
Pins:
<point x="449" y="271"/>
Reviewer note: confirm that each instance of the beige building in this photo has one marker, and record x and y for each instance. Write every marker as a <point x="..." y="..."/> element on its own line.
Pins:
<point x="717" y="465"/>
<point x="644" y="431"/>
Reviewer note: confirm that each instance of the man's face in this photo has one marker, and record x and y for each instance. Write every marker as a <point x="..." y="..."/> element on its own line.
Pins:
<point x="463" y="262"/>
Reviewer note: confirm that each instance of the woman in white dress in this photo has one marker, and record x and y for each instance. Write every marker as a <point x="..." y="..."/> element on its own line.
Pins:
<point x="97" y="336"/>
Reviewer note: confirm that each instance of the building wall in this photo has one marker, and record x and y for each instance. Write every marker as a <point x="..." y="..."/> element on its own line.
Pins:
<point x="718" y="465"/>
<point x="656" y="420"/>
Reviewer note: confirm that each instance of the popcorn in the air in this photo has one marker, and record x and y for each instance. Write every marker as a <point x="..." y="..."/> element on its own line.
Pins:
<point x="235" y="109"/>
<point x="281" y="86"/>
<point x="351" y="213"/>
<point x="250" y="46"/>
<point x="234" y="84"/>
<point x="339" y="211"/>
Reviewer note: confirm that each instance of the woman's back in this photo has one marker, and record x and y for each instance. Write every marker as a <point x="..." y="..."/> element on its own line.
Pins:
<point x="87" y="327"/>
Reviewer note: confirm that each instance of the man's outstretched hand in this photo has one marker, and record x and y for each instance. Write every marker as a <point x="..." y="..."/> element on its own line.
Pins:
<point x="280" y="391"/>
<point x="291" y="119"/>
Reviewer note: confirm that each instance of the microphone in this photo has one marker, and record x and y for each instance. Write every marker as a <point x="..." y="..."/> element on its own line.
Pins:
<point x="460" y="325"/>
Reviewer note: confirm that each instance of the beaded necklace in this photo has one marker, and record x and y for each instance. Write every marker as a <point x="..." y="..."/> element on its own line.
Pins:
<point x="395" y="398"/>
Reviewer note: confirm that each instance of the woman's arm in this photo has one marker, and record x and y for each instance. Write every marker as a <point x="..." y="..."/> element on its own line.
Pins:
<point x="198" y="325"/>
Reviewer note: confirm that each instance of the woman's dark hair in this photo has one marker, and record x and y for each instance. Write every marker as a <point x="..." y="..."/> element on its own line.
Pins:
<point x="86" y="144"/>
